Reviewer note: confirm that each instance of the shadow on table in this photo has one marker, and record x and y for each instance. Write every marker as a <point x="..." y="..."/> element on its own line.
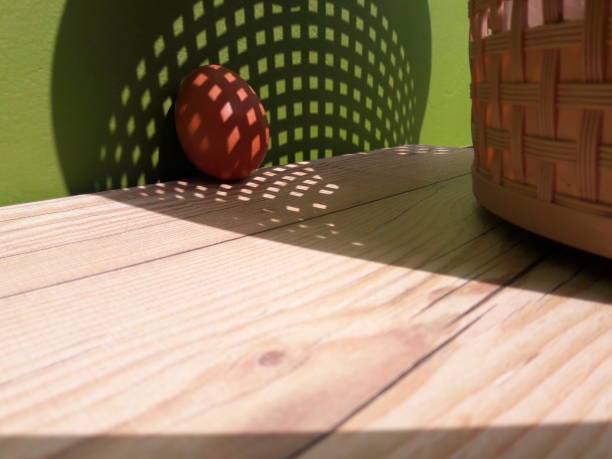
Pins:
<point x="393" y="220"/>
<point x="588" y="440"/>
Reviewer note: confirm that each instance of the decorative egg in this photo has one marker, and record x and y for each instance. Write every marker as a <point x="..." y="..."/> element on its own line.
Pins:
<point x="221" y="123"/>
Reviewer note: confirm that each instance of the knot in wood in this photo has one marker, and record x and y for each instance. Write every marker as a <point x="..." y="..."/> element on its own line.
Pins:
<point x="271" y="358"/>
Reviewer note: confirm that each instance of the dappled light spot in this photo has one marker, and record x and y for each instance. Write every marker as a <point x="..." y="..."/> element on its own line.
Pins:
<point x="292" y="208"/>
<point x="226" y="112"/>
<point x="251" y="117"/>
<point x="230" y="77"/>
<point x="317" y="205"/>
<point x="214" y="92"/>
<point x="200" y="80"/>
<point x="233" y="139"/>
<point x="194" y="123"/>
<point x="255" y="146"/>
<point x="131" y="125"/>
<point x="112" y="124"/>
<point x="242" y="94"/>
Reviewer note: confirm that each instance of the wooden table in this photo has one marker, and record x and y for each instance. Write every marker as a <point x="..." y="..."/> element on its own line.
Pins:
<point x="363" y="306"/>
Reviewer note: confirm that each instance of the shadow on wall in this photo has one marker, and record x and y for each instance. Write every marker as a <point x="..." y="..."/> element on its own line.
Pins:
<point x="335" y="77"/>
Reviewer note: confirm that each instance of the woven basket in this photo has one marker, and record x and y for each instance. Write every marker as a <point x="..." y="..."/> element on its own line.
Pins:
<point x="542" y="116"/>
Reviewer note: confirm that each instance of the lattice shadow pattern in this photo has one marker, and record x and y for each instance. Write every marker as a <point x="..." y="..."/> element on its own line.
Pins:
<point x="334" y="76"/>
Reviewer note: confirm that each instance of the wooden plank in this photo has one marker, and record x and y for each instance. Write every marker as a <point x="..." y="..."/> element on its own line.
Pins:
<point x="55" y="244"/>
<point x="530" y="379"/>
<point x="284" y="333"/>
<point x="273" y="343"/>
<point x="383" y="232"/>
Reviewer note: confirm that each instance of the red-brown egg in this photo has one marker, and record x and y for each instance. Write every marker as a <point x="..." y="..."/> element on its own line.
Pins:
<point x="221" y="123"/>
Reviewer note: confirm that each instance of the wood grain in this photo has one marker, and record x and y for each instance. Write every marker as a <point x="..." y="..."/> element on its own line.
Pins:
<point x="530" y="379"/>
<point x="399" y="319"/>
<point x="61" y="243"/>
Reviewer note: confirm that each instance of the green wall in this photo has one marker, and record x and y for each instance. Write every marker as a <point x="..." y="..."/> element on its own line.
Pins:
<point x="447" y="115"/>
<point x="87" y="87"/>
<point x="29" y="167"/>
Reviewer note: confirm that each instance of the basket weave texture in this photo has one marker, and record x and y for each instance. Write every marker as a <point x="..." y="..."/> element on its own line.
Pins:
<point x="542" y="116"/>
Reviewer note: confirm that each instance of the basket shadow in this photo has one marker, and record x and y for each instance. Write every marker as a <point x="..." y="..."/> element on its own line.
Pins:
<point x="522" y="441"/>
<point x="334" y="78"/>
<point x="328" y="93"/>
